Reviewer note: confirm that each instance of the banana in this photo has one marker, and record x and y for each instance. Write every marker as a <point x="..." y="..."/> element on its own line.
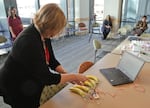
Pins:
<point x="84" y="88"/>
<point x="78" y="91"/>
<point x="93" y="78"/>
<point x="88" y="83"/>
<point x="92" y="82"/>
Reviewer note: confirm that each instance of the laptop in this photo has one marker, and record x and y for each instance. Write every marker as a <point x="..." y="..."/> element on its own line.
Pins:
<point x="125" y="72"/>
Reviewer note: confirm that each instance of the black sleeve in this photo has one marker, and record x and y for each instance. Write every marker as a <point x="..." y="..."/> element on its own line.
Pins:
<point x="53" y="62"/>
<point x="30" y="53"/>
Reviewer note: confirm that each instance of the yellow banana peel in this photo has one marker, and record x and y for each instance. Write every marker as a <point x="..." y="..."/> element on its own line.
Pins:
<point x="93" y="78"/>
<point x="88" y="83"/>
<point x="92" y="82"/>
<point x="78" y="91"/>
<point x="84" y="88"/>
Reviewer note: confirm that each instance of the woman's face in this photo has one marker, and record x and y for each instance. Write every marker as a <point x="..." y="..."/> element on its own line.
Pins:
<point x="13" y="11"/>
<point x="143" y="19"/>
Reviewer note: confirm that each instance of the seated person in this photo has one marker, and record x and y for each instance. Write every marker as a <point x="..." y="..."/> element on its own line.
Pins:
<point x="106" y="27"/>
<point x="141" y="26"/>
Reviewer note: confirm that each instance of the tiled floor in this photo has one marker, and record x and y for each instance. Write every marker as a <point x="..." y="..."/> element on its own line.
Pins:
<point x="73" y="50"/>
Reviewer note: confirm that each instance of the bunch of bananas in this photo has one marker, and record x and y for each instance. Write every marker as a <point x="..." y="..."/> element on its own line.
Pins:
<point x="84" y="89"/>
<point x="92" y="82"/>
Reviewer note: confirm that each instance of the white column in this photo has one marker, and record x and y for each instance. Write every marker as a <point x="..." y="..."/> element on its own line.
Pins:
<point x="82" y="11"/>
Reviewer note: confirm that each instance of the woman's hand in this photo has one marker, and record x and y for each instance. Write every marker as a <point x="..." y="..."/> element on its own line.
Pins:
<point x="73" y="78"/>
<point x="60" y="69"/>
<point x="108" y="26"/>
<point x="79" y="79"/>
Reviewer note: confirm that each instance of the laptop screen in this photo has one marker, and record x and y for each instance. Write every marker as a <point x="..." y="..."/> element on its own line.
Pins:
<point x="130" y="65"/>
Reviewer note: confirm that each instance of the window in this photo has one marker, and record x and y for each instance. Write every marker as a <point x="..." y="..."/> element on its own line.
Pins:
<point x="99" y="9"/>
<point x="43" y="2"/>
<point x="70" y="10"/>
<point x="26" y="10"/>
<point x="61" y="3"/>
<point x="133" y="10"/>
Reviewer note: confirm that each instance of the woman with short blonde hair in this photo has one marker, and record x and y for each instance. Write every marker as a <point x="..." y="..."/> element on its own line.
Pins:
<point x="28" y="67"/>
<point x="50" y="20"/>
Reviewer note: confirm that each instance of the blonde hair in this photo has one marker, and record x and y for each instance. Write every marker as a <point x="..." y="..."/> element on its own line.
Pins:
<point x="108" y="17"/>
<point x="50" y="20"/>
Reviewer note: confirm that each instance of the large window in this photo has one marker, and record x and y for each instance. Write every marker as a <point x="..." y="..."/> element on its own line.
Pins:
<point x="70" y="10"/>
<point x="3" y="23"/>
<point x="26" y="10"/>
<point x="61" y="3"/>
<point x="43" y="2"/>
<point x="129" y="11"/>
<point x="66" y="5"/>
<point x="133" y="10"/>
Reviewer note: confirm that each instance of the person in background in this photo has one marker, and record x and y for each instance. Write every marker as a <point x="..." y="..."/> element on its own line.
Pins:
<point x="140" y="27"/>
<point x="106" y="27"/>
<point x="28" y="66"/>
<point x="14" y="22"/>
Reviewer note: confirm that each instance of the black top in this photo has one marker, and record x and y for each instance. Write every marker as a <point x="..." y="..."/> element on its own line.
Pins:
<point x="106" y="23"/>
<point x="25" y="71"/>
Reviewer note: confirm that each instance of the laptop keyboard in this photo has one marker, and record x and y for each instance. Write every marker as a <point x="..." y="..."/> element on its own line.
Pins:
<point x="115" y="76"/>
<point x="117" y="73"/>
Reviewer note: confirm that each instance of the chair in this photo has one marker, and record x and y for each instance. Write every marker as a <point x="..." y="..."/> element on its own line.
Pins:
<point x="2" y="39"/>
<point x="50" y="91"/>
<point x="82" y="28"/>
<point x="122" y="32"/>
<point x="145" y="36"/>
<point x="95" y="29"/>
<point x="5" y="46"/>
<point x="70" y="29"/>
<point x="84" y="66"/>
<point x="128" y="28"/>
<point x="97" y="46"/>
